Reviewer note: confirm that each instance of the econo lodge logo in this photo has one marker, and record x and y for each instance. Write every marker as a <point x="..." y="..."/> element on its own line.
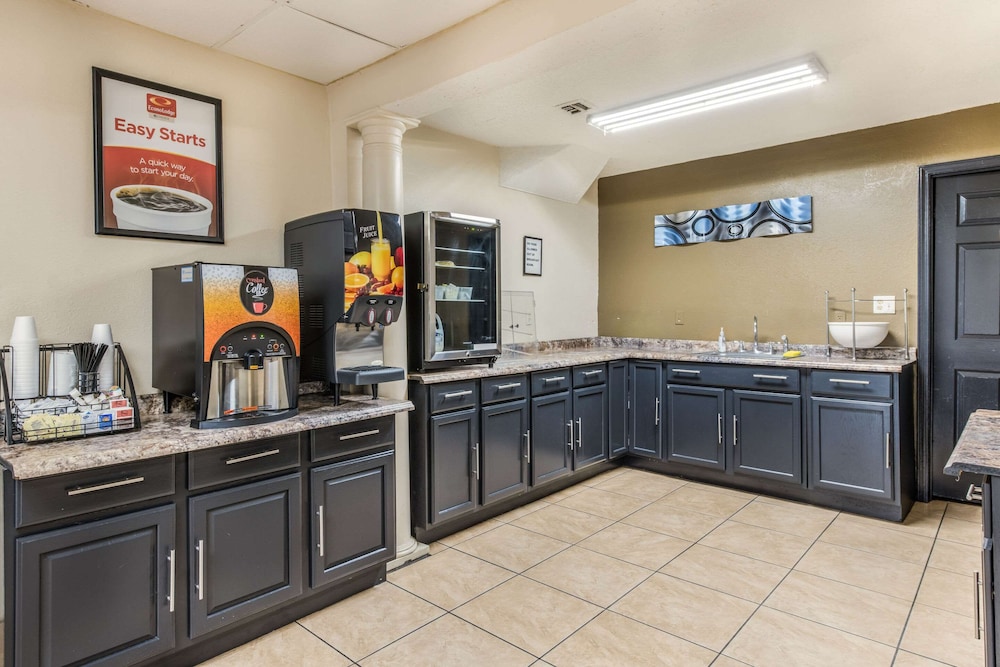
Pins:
<point x="158" y="105"/>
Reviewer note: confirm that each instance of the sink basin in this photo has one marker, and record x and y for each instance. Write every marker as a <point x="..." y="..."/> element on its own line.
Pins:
<point x="867" y="334"/>
<point x="743" y="355"/>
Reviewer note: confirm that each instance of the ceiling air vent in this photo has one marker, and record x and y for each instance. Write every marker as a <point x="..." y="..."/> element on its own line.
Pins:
<point x="575" y="107"/>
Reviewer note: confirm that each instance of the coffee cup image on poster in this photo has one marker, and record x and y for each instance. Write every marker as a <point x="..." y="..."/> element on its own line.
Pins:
<point x="374" y="263"/>
<point x="160" y="161"/>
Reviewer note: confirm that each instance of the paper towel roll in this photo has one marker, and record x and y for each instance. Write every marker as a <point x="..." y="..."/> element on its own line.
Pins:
<point x="106" y="369"/>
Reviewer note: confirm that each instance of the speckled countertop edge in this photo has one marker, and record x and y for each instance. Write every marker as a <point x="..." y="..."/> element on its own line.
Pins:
<point x="166" y="434"/>
<point x="978" y="448"/>
<point x="560" y="354"/>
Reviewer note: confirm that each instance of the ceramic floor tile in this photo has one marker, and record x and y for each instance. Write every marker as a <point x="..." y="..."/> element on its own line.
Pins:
<point x="592" y="576"/>
<point x="641" y="484"/>
<point x="436" y="548"/>
<point x="906" y="659"/>
<point x="923" y="519"/>
<point x="692" y="612"/>
<point x="773" y="638"/>
<point x="565" y="493"/>
<point x="604" y="476"/>
<point x="563" y="523"/>
<point x="523" y="510"/>
<point x="726" y="661"/>
<point x="529" y="615"/>
<point x="609" y="505"/>
<point x="722" y="489"/>
<point x="449" y="579"/>
<point x="743" y="577"/>
<point x="511" y="547"/>
<point x="955" y="557"/>
<point x="943" y="636"/>
<point x="802" y="520"/>
<point x="364" y="623"/>
<point x="449" y="642"/>
<point x="865" y="570"/>
<point x="963" y="532"/>
<point x="636" y="545"/>
<point x="847" y="532"/>
<point x="664" y="518"/>
<point x="290" y="646"/>
<point x="855" y="610"/>
<point x="965" y="512"/>
<point x="760" y="543"/>
<point x="699" y="499"/>
<point x="470" y="532"/>
<point x="612" y="639"/>
<point x="948" y="591"/>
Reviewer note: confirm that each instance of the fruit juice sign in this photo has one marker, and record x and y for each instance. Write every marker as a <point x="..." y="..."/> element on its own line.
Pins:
<point x="375" y="264"/>
<point x="158" y="157"/>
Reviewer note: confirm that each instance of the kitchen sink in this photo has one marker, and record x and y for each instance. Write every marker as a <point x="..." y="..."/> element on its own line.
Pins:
<point x="742" y="355"/>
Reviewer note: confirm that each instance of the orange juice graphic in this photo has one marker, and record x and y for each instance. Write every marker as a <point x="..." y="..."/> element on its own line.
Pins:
<point x="381" y="259"/>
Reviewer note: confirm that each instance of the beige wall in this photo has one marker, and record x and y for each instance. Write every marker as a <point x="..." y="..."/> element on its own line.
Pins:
<point x="864" y="186"/>
<point x="276" y="167"/>
<point x="446" y="172"/>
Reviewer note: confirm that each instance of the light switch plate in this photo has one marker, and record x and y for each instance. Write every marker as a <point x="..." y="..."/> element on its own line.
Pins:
<point x="884" y="304"/>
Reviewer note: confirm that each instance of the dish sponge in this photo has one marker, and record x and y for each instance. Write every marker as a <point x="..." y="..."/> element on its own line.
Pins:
<point x="791" y="354"/>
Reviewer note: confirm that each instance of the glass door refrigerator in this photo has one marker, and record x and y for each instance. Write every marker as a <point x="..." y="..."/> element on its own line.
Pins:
<point x="453" y="283"/>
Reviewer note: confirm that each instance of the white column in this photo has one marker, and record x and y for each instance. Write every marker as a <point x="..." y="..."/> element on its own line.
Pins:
<point x="382" y="190"/>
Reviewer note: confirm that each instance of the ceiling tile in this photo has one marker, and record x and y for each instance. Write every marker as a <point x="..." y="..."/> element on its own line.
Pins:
<point x="391" y="21"/>
<point x="205" y="23"/>
<point x="293" y="42"/>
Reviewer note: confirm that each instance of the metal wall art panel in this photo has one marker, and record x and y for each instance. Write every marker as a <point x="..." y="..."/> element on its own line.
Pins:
<point x="775" y="217"/>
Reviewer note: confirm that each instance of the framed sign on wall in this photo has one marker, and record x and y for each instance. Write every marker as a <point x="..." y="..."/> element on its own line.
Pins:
<point x="157" y="160"/>
<point x="532" y="256"/>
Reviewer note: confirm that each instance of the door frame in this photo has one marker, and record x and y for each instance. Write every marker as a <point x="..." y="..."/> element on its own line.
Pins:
<point x="925" y="305"/>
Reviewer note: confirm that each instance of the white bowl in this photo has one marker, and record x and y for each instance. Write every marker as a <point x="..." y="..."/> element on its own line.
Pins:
<point x="135" y="217"/>
<point x="867" y="334"/>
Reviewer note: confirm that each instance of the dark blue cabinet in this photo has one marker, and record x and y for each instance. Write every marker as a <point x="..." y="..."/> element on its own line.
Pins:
<point x="504" y="455"/>
<point x="551" y="437"/>
<point x="695" y="417"/>
<point x="645" y="379"/>
<point x="618" y="404"/>
<point x="767" y="435"/>
<point x="454" y="462"/>
<point x="852" y="447"/>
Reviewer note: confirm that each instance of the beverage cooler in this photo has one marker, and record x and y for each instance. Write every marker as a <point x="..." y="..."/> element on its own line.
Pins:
<point x="453" y="283"/>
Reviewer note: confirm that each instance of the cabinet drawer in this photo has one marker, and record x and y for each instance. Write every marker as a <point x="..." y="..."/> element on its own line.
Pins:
<point x="859" y="385"/>
<point x="60" y="496"/>
<point x="764" y="378"/>
<point x="348" y="439"/>
<point x="507" y="388"/>
<point x="452" y="396"/>
<point x="586" y="376"/>
<point x="711" y="375"/>
<point x="247" y="459"/>
<point x="547" y="382"/>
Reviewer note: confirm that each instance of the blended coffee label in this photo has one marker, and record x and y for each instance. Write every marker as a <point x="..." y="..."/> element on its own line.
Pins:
<point x="256" y="292"/>
<point x="159" y="160"/>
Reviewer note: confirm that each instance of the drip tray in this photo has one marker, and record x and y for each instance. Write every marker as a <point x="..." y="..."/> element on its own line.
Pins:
<point x="369" y="374"/>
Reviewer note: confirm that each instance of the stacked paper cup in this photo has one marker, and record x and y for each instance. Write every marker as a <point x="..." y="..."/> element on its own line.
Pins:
<point x="24" y="364"/>
<point x="62" y="373"/>
<point x="106" y="369"/>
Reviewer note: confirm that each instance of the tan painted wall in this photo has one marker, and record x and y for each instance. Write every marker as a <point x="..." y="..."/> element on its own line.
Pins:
<point x="865" y="201"/>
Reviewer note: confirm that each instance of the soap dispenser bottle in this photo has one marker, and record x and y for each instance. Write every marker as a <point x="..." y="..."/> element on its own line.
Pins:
<point x="722" y="340"/>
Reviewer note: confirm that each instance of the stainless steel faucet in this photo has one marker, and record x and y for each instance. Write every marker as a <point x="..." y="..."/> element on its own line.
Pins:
<point x="756" y="349"/>
<point x="784" y="342"/>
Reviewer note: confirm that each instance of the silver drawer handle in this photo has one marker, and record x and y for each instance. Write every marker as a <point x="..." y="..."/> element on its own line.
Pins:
<point x="685" y="370"/>
<point x="760" y="376"/>
<point x="322" y="538"/>
<point x="361" y="434"/>
<point x="977" y="623"/>
<point x="888" y="463"/>
<point x="251" y="457"/>
<point x="842" y="381"/>
<point x="505" y="387"/>
<point x="555" y="379"/>
<point x="458" y="394"/>
<point x="200" y="585"/>
<point x="527" y="445"/>
<point x="172" y="585"/>
<point x="974" y="493"/>
<point x="79" y="490"/>
<point x="588" y="374"/>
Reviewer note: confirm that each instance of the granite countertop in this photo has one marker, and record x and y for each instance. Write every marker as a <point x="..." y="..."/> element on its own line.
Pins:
<point x="561" y="354"/>
<point x="166" y="434"/>
<point x="978" y="448"/>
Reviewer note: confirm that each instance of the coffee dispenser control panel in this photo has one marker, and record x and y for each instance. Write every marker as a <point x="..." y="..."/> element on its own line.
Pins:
<point x="238" y="344"/>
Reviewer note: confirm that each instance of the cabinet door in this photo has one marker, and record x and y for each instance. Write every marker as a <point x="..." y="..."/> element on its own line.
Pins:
<point x="244" y="550"/>
<point x="646" y="413"/>
<point x="986" y="599"/>
<point x="504" y="456"/>
<point x="353" y="508"/>
<point x="96" y="591"/>
<point x="696" y="426"/>
<point x="767" y="435"/>
<point x="852" y="447"/>
<point x="590" y="425"/>
<point x="617" y="408"/>
<point x="453" y="460"/>
<point x="551" y="440"/>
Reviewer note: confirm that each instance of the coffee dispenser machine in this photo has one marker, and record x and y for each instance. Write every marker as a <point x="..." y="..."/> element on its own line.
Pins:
<point x="227" y="336"/>
<point x="350" y="265"/>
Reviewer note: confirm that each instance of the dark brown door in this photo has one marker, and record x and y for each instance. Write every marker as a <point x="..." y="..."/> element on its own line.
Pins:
<point x="962" y="262"/>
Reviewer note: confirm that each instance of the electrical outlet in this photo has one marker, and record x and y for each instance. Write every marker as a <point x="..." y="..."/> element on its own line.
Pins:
<point x="678" y="317"/>
<point x="884" y="304"/>
<point x="838" y="316"/>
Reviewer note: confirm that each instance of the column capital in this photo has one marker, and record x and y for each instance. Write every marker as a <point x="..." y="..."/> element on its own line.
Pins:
<point x="381" y="118"/>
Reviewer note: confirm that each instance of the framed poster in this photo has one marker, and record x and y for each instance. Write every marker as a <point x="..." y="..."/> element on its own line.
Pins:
<point x="157" y="160"/>
<point x="532" y="256"/>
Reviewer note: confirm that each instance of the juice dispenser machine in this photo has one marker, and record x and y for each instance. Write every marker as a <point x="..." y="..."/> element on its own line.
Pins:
<point x="350" y="265"/>
<point x="228" y="336"/>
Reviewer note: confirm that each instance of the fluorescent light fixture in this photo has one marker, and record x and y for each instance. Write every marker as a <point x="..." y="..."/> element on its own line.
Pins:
<point x="777" y="79"/>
